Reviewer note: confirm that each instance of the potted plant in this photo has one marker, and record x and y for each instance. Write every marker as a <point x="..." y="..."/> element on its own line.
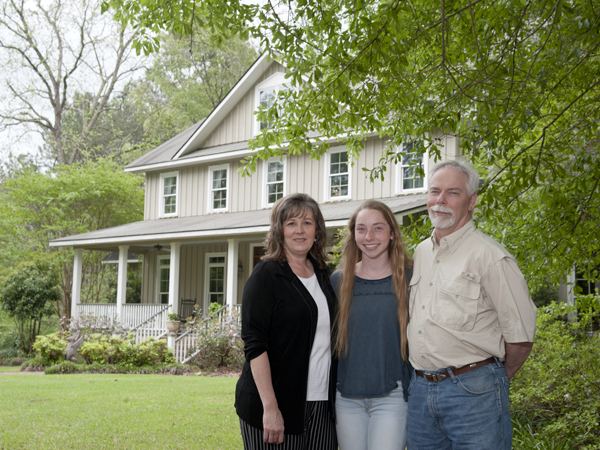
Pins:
<point x="172" y="322"/>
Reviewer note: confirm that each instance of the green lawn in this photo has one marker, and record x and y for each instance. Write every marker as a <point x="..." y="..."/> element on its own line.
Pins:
<point x="117" y="412"/>
<point x="10" y="369"/>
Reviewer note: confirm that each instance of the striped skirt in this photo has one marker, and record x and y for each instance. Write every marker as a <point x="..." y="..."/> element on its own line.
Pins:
<point x="319" y="434"/>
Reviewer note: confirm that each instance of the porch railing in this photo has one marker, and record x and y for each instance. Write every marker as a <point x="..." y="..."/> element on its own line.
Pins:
<point x="154" y="326"/>
<point x="185" y="345"/>
<point x="134" y="314"/>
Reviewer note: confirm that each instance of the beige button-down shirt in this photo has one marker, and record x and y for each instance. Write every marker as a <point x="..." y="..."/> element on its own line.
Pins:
<point x="467" y="298"/>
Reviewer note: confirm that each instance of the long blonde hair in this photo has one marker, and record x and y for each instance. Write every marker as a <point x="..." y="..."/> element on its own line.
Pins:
<point x="351" y="255"/>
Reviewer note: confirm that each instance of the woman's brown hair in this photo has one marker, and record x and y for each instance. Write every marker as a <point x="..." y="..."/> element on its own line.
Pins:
<point x="351" y="255"/>
<point x="295" y="205"/>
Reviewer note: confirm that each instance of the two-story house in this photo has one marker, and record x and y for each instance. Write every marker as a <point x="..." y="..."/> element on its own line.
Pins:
<point x="204" y="224"/>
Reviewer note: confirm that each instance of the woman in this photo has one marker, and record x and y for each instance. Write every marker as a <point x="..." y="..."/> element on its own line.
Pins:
<point x="286" y="391"/>
<point x="373" y="372"/>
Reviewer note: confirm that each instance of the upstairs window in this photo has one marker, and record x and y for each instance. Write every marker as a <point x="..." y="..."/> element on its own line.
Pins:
<point x="218" y="178"/>
<point x="338" y="175"/>
<point x="274" y="180"/>
<point x="168" y="197"/>
<point x="266" y="94"/>
<point x="408" y="178"/>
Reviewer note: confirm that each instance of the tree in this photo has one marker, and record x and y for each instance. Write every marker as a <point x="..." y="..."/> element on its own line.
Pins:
<point x="27" y="295"/>
<point x="54" y="51"/>
<point x="36" y="208"/>
<point x="517" y="81"/>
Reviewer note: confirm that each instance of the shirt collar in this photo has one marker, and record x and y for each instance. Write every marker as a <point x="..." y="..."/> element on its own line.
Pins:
<point x="452" y="241"/>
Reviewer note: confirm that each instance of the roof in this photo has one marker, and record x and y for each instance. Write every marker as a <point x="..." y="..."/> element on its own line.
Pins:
<point x="176" y="149"/>
<point x="218" y="226"/>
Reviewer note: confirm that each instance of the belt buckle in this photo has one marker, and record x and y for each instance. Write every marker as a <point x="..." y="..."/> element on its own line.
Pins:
<point x="435" y="377"/>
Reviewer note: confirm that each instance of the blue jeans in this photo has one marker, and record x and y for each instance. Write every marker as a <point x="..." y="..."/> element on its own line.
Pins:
<point x="465" y="412"/>
<point x="372" y="423"/>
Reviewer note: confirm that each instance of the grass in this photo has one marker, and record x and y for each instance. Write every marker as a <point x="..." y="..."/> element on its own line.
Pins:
<point x="117" y="412"/>
<point x="10" y="369"/>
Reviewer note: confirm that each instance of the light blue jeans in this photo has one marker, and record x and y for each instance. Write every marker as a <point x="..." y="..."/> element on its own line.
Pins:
<point x="465" y="412"/>
<point x="372" y="423"/>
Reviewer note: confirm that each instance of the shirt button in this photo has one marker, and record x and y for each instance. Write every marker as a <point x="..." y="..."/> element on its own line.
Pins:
<point x="422" y="356"/>
<point x="422" y="307"/>
<point x="420" y="332"/>
<point x="437" y="261"/>
<point x="430" y="284"/>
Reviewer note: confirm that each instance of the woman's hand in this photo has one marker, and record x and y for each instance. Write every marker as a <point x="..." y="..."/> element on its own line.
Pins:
<point x="273" y="426"/>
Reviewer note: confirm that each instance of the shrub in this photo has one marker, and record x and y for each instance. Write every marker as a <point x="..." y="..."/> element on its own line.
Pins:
<point x="102" y="349"/>
<point x="220" y="344"/>
<point x="151" y="352"/>
<point x="556" y="391"/>
<point x="51" y="348"/>
<point x="213" y="308"/>
<point x="91" y="324"/>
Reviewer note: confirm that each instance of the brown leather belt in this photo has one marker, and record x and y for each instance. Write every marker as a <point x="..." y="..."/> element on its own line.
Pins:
<point x="435" y="377"/>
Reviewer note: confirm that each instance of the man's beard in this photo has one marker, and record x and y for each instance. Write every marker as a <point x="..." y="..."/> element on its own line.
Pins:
<point x="442" y="222"/>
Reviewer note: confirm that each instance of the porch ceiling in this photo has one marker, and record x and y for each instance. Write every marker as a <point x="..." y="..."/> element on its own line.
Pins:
<point x="144" y="234"/>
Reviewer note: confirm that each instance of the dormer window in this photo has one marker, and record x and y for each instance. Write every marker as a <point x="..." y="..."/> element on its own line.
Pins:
<point x="218" y="188"/>
<point x="338" y="174"/>
<point x="408" y="178"/>
<point x="266" y="94"/>
<point x="168" y="197"/>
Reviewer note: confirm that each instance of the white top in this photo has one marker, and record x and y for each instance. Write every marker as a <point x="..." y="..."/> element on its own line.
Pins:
<point x="320" y="356"/>
<point x="467" y="298"/>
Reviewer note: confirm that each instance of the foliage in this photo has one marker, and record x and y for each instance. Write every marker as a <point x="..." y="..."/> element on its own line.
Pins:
<point x="172" y="317"/>
<point x="545" y="294"/>
<point x="27" y="295"/>
<point x="588" y="311"/>
<point x="213" y="308"/>
<point x="67" y="367"/>
<point x="220" y="344"/>
<point x="515" y="82"/>
<point x="36" y="208"/>
<point x="51" y="348"/>
<point x="103" y="349"/>
<point x="556" y="391"/>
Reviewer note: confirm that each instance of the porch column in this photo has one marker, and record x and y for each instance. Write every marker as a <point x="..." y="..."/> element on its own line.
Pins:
<point x="122" y="281"/>
<point x="76" y="289"/>
<point x="232" y="270"/>
<point x="174" y="276"/>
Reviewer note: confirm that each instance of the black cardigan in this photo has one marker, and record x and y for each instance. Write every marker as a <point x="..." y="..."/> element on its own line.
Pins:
<point x="279" y="316"/>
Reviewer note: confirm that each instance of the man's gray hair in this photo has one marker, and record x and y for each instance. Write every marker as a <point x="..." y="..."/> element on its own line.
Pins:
<point x="462" y="167"/>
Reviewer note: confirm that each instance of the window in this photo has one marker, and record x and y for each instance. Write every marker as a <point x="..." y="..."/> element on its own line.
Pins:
<point x="584" y="285"/>
<point x="266" y="94"/>
<point x="215" y="279"/>
<point x="168" y="196"/>
<point x="274" y="180"/>
<point x="164" y="263"/>
<point x="218" y="188"/>
<point x="408" y="178"/>
<point x="338" y="176"/>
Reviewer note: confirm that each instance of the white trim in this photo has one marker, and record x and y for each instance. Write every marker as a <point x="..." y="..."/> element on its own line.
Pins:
<point x="161" y="197"/>
<point x="227" y="104"/>
<point x="399" y="188"/>
<point x="205" y="301"/>
<point x="158" y="267"/>
<point x="327" y="194"/>
<point x="210" y="204"/>
<point x="275" y="82"/>
<point x="265" y="174"/>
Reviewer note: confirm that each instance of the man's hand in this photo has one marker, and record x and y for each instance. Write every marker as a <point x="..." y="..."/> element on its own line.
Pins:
<point x="516" y="354"/>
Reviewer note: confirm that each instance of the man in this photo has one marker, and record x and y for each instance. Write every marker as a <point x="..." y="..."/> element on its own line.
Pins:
<point x="471" y="326"/>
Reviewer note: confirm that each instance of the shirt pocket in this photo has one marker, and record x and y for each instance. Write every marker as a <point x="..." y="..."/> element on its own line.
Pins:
<point x="456" y="305"/>
<point x="412" y="292"/>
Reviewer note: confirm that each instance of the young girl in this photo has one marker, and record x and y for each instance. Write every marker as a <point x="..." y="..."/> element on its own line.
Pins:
<point x="373" y="370"/>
